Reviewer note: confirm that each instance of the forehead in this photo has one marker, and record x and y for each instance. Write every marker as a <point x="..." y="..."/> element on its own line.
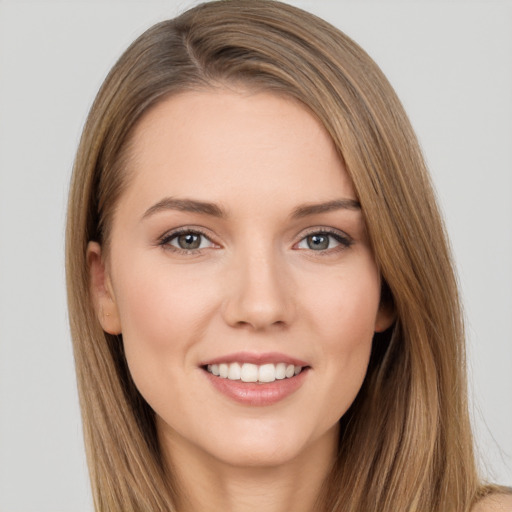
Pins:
<point x="212" y="143"/>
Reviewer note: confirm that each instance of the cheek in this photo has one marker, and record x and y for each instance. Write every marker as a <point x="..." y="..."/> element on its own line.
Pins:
<point x="162" y="315"/>
<point x="344" y="317"/>
<point x="158" y="302"/>
<point x="345" y="309"/>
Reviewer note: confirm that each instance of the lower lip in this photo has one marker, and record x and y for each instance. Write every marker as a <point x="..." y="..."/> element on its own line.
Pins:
<point x="251" y="393"/>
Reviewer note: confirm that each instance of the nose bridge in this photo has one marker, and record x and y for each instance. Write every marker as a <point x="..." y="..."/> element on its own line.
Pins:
<point x="260" y="293"/>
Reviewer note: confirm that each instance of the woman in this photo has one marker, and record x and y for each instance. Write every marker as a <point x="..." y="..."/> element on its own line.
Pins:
<point x="261" y="297"/>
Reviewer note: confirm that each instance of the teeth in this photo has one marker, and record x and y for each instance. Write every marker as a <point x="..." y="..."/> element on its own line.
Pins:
<point x="267" y="373"/>
<point x="223" y="370"/>
<point x="280" y="371"/>
<point x="234" y="371"/>
<point x="248" y="372"/>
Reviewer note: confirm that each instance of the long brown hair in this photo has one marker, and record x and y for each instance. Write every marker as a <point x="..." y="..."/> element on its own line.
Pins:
<point x="408" y="432"/>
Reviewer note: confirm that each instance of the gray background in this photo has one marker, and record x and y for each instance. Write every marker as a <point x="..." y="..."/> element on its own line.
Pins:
<point x="450" y="62"/>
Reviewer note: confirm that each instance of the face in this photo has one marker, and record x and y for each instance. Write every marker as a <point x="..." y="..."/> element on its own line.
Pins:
<point x="240" y="277"/>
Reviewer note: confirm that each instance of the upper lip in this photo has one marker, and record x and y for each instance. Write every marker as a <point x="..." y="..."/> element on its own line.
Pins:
<point x="256" y="358"/>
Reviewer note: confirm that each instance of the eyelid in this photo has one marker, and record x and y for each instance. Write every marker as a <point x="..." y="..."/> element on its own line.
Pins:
<point x="340" y="236"/>
<point x="164" y="240"/>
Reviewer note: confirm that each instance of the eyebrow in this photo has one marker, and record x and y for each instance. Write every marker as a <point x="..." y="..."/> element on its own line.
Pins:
<point x="185" y="205"/>
<point x="212" y="209"/>
<point x="316" y="208"/>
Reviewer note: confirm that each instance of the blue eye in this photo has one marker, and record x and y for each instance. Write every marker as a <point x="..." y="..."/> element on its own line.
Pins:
<point x="187" y="241"/>
<point x="323" y="241"/>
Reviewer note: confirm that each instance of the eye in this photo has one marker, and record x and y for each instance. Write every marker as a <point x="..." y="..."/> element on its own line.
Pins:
<point x="186" y="240"/>
<point x="324" y="241"/>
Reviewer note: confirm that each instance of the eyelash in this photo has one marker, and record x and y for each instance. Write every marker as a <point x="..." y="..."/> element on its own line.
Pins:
<point x="165" y="241"/>
<point x="342" y="238"/>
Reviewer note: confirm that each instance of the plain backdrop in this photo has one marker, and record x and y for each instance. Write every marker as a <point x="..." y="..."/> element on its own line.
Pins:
<point x="451" y="64"/>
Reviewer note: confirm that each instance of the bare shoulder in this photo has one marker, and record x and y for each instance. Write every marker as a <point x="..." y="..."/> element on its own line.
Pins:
<point x="494" y="503"/>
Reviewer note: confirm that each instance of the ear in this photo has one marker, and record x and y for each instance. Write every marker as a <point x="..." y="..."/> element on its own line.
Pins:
<point x="385" y="317"/>
<point x="101" y="290"/>
<point x="386" y="314"/>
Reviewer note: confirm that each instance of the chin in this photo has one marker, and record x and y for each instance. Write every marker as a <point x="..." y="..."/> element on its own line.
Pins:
<point x="268" y="445"/>
<point x="259" y="455"/>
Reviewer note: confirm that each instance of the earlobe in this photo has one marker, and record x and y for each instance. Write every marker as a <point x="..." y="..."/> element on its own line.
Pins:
<point x="385" y="317"/>
<point x="101" y="290"/>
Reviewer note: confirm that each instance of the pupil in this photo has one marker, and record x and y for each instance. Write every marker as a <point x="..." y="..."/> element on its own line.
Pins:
<point x="318" y="242"/>
<point x="189" y="241"/>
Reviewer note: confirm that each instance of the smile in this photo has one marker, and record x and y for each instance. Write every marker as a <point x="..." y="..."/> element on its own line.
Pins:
<point x="256" y="379"/>
<point x="248" y="372"/>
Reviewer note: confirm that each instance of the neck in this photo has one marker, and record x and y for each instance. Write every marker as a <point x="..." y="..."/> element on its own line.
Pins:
<point x="207" y="484"/>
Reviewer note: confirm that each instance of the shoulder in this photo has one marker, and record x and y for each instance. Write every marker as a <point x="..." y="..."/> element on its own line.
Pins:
<point x="494" y="503"/>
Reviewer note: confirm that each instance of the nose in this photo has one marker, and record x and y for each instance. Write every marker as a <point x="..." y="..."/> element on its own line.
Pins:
<point x="259" y="292"/>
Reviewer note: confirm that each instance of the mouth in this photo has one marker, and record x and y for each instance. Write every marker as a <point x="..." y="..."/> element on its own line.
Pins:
<point x="254" y="373"/>
<point x="256" y="379"/>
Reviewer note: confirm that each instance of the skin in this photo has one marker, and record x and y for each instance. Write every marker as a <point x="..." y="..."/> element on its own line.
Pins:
<point x="254" y="285"/>
<point x="495" y="503"/>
